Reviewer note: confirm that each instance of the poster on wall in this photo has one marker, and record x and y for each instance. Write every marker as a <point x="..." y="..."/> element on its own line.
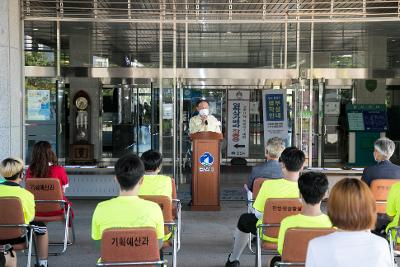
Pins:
<point x="38" y="105"/>
<point x="275" y="115"/>
<point x="238" y="123"/>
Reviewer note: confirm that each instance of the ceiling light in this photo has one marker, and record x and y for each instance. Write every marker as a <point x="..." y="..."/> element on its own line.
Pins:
<point x="35" y="29"/>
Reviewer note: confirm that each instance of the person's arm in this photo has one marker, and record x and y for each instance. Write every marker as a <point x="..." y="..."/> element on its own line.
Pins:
<point x="365" y="177"/>
<point x="96" y="234"/>
<point x="391" y="203"/>
<point x="251" y="179"/>
<point x="159" y="225"/>
<point x="29" y="209"/>
<point x="281" y="236"/>
<point x="192" y="126"/>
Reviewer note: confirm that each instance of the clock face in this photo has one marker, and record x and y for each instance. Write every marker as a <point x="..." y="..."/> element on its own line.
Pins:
<point x="81" y="103"/>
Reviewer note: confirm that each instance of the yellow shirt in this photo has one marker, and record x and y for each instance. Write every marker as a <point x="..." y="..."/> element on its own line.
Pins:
<point x="156" y="185"/>
<point x="276" y="188"/>
<point x="393" y="206"/>
<point x="124" y="212"/>
<point x="196" y="125"/>
<point x="10" y="189"/>
<point x="300" y="220"/>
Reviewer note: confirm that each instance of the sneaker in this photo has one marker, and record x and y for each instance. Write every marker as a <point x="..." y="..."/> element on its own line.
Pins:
<point x="232" y="263"/>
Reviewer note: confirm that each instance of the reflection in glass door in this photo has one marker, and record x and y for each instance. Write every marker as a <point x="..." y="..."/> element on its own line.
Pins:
<point x="62" y="115"/>
<point x="127" y="120"/>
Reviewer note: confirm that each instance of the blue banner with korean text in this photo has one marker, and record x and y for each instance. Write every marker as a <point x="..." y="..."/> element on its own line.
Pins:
<point x="275" y="115"/>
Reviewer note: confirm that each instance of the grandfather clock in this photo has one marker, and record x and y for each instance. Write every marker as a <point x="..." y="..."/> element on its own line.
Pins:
<point x="81" y="148"/>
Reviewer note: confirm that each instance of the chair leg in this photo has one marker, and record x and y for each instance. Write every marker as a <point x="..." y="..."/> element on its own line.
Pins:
<point x="258" y="256"/>
<point x="174" y="252"/>
<point x="64" y="243"/>
<point x="71" y="242"/>
<point x="250" y="243"/>
<point x="179" y="212"/>
<point x="28" y="262"/>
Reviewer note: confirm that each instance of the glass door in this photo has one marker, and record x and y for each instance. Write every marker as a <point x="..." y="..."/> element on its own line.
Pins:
<point x="128" y="120"/>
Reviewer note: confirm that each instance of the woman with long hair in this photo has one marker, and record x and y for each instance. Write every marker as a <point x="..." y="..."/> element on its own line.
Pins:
<point x="44" y="164"/>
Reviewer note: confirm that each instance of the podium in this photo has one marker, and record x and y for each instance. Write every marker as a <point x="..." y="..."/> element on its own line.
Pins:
<point x="206" y="171"/>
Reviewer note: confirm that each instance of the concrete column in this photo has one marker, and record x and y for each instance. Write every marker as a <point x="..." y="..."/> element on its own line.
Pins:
<point x="11" y="87"/>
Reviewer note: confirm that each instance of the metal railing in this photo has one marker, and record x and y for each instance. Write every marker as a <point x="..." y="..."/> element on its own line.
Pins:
<point x="195" y="11"/>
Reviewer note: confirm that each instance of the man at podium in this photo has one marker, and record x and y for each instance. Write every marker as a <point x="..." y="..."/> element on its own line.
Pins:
<point x="204" y="121"/>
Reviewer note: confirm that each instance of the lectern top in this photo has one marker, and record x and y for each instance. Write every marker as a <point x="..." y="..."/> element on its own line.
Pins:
<point x="206" y="135"/>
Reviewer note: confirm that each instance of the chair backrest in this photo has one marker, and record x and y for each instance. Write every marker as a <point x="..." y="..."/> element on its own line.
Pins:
<point x="257" y="186"/>
<point x="45" y="189"/>
<point x="165" y="204"/>
<point x="276" y="209"/>
<point x="11" y="213"/>
<point x="380" y="189"/>
<point x="174" y="194"/>
<point x="129" y="245"/>
<point x="296" y="242"/>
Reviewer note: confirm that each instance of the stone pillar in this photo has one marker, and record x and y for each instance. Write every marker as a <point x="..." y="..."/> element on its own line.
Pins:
<point x="11" y="87"/>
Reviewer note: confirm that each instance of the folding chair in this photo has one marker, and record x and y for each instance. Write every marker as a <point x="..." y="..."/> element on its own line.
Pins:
<point x="130" y="247"/>
<point x="170" y="226"/>
<point x="296" y="242"/>
<point x="176" y="212"/>
<point x="275" y="210"/>
<point x="256" y="189"/>
<point x="49" y="198"/>
<point x="394" y="242"/>
<point x="13" y="226"/>
<point x="380" y="189"/>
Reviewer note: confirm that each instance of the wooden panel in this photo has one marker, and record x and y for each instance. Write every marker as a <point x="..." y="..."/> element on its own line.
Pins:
<point x="206" y="172"/>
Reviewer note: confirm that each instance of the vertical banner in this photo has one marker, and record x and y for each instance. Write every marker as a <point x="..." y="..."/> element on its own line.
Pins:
<point x="275" y="115"/>
<point x="238" y="123"/>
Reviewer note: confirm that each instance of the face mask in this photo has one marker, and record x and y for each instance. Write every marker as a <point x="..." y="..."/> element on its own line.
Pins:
<point x="204" y="112"/>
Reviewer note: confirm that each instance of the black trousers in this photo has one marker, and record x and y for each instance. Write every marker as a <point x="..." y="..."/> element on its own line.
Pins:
<point x="247" y="223"/>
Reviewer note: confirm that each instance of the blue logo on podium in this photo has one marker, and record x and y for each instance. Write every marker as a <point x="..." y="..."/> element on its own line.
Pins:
<point x="206" y="159"/>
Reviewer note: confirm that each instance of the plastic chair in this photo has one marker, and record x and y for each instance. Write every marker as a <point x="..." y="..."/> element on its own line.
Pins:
<point x="49" y="198"/>
<point x="275" y="210"/>
<point x="177" y="212"/>
<point x="130" y="247"/>
<point x="296" y="243"/>
<point x="380" y="189"/>
<point x="170" y="226"/>
<point x="12" y="226"/>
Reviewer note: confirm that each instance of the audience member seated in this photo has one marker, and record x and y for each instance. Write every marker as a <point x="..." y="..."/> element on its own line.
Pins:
<point x="292" y="163"/>
<point x="153" y="183"/>
<point x="393" y="206"/>
<point x="384" y="169"/>
<point x="127" y="210"/>
<point x="271" y="168"/>
<point x="313" y="187"/>
<point x="352" y="209"/>
<point x="44" y="164"/>
<point x="12" y="170"/>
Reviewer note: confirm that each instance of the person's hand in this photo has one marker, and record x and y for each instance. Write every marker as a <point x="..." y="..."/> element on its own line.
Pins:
<point x="203" y="118"/>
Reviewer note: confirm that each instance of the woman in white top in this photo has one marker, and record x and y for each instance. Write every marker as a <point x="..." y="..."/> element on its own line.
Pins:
<point x="352" y="210"/>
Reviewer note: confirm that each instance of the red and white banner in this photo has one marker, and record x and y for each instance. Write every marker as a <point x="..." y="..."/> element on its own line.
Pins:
<point x="238" y="123"/>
